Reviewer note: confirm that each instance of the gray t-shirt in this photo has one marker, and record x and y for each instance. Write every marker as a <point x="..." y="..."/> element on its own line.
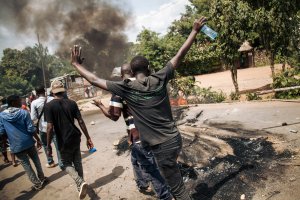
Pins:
<point x="148" y="100"/>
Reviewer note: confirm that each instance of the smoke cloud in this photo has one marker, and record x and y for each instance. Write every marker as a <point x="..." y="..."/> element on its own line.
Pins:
<point x="97" y="25"/>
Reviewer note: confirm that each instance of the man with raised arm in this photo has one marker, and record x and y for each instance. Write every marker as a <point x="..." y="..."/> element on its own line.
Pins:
<point x="142" y="159"/>
<point x="148" y="100"/>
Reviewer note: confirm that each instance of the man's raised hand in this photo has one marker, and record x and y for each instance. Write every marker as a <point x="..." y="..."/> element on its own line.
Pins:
<point x="76" y="55"/>
<point x="199" y="23"/>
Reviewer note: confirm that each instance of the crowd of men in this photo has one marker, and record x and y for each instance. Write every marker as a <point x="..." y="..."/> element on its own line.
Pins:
<point x="143" y="100"/>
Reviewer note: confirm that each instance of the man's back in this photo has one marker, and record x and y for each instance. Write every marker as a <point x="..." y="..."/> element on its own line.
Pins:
<point x="62" y="112"/>
<point x="16" y="124"/>
<point x="150" y="106"/>
<point x="37" y="107"/>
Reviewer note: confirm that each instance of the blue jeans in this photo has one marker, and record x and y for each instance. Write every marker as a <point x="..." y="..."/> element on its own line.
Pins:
<point x="146" y="170"/>
<point x="50" y="160"/>
<point x="166" y="155"/>
<point x="71" y="159"/>
<point x="24" y="156"/>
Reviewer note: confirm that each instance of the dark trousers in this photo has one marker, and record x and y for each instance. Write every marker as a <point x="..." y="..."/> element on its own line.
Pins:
<point x="145" y="168"/>
<point x="71" y="160"/>
<point x="166" y="155"/>
<point x="50" y="160"/>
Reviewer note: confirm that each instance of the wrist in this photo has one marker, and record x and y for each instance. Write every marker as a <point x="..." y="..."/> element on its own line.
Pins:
<point x="75" y="63"/>
<point x="195" y="31"/>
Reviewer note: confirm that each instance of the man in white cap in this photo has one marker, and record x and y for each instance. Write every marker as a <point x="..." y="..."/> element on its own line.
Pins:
<point x="60" y="114"/>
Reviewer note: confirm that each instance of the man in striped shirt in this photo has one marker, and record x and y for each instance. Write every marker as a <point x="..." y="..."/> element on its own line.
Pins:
<point x="143" y="162"/>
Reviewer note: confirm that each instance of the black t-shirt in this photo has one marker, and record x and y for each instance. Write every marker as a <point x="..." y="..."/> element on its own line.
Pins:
<point x="149" y="102"/>
<point x="62" y="112"/>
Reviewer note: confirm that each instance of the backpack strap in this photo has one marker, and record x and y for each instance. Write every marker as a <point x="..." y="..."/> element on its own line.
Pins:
<point x="40" y="115"/>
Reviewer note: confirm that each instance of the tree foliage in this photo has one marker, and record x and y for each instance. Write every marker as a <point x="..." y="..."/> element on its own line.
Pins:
<point x="272" y="25"/>
<point x="232" y="23"/>
<point x="277" y="24"/>
<point x="21" y="70"/>
<point x="288" y="78"/>
<point x="203" y="57"/>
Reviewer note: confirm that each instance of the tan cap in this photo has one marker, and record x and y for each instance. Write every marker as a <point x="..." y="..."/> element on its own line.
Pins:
<point x="57" y="86"/>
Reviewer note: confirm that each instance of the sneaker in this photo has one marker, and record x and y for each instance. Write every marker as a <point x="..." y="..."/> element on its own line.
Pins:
<point x="51" y="165"/>
<point x="15" y="164"/>
<point x="61" y="166"/>
<point x="83" y="190"/>
<point x="44" y="181"/>
<point x="145" y="189"/>
<point x="37" y="187"/>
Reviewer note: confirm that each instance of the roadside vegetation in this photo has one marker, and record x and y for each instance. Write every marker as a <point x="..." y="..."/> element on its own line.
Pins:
<point x="288" y="78"/>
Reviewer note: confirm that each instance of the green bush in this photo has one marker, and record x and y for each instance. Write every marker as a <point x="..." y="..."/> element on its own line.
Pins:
<point x="182" y="84"/>
<point x="192" y="92"/>
<point x="206" y="95"/>
<point x="234" y="96"/>
<point x="288" y="78"/>
<point x="252" y="96"/>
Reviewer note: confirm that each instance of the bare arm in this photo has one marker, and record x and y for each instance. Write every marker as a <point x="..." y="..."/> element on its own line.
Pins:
<point x="82" y="125"/>
<point x="49" y="134"/>
<point x="188" y="43"/>
<point x="38" y="141"/>
<point x="76" y="61"/>
<point x="105" y="110"/>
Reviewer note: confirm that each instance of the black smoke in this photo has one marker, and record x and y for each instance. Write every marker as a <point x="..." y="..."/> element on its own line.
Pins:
<point x="97" y="25"/>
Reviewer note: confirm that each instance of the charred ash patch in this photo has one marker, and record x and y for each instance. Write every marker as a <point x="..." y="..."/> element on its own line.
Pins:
<point x="252" y="161"/>
<point x="178" y="112"/>
<point x="213" y="177"/>
<point x="229" y="177"/>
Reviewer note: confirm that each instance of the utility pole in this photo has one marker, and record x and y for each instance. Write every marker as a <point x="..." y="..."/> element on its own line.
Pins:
<point x="41" y="54"/>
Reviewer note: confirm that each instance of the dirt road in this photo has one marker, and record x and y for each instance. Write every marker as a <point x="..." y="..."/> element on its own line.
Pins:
<point x="212" y="147"/>
<point x="110" y="176"/>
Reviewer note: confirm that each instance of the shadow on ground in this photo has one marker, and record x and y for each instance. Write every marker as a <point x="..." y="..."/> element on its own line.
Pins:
<point x="116" y="172"/>
<point x="11" y="179"/>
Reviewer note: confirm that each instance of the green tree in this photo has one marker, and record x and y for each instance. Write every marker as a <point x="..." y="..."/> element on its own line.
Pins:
<point x="16" y="71"/>
<point x="232" y="23"/>
<point x="59" y="67"/>
<point x="150" y="45"/>
<point x="21" y="70"/>
<point x="277" y="25"/>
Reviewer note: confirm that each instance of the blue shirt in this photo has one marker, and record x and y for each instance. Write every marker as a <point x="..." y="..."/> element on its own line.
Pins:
<point x="17" y="125"/>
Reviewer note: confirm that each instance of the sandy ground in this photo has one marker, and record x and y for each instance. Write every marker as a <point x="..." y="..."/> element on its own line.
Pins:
<point x="249" y="78"/>
<point x="109" y="176"/>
